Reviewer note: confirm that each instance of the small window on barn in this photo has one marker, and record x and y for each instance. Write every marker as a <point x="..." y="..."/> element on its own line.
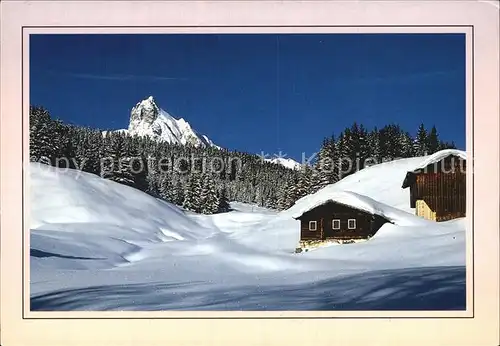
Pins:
<point x="351" y="223"/>
<point x="312" y="225"/>
<point x="336" y="224"/>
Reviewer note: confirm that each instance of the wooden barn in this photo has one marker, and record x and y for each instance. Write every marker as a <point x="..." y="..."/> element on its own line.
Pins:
<point x="438" y="187"/>
<point x="335" y="220"/>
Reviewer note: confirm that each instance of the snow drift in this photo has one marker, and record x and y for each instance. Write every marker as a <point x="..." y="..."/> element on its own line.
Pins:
<point x="99" y="245"/>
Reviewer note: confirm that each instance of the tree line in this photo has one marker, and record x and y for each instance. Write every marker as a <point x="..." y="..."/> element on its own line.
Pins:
<point x="206" y="179"/>
<point x="356" y="148"/>
<point x="199" y="179"/>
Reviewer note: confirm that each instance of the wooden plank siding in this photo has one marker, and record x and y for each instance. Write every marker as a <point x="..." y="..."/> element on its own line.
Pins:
<point x="305" y="233"/>
<point x="442" y="186"/>
<point x="366" y="223"/>
<point x="444" y="193"/>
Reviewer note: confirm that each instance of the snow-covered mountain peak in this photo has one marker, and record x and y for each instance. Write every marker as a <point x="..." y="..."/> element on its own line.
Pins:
<point x="287" y="162"/>
<point x="142" y="116"/>
<point x="148" y="119"/>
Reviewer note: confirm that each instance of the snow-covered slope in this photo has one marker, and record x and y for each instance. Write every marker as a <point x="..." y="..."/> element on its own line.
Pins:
<point x="382" y="182"/>
<point x="99" y="245"/>
<point x="148" y="119"/>
<point x="70" y="200"/>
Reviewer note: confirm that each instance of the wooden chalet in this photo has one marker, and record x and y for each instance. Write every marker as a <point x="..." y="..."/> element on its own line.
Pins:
<point x="438" y="190"/>
<point x="334" y="220"/>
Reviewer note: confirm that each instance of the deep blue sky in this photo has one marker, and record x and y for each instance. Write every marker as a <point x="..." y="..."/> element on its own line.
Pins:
<point x="256" y="92"/>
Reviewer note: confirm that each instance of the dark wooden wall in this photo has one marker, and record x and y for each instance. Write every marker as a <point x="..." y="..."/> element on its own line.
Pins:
<point x="442" y="185"/>
<point x="366" y="223"/>
<point x="306" y="234"/>
<point x="444" y="193"/>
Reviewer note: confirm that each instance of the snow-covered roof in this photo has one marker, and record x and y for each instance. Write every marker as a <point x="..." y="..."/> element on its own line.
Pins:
<point x="350" y="199"/>
<point x="347" y="198"/>
<point x="438" y="156"/>
<point x="432" y="159"/>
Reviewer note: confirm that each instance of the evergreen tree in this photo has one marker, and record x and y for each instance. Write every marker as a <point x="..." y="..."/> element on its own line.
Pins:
<point x="88" y="151"/>
<point x="112" y="154"/>
<point x="326" y="164"/>
<point x="271" y="201"/>
<point x="406" y="144"/>
<point x="343" y="155"/>
<point x="260" y="195"/>
<point x="139" y="167"/>
<point x="283" y="196"/>
<point x="118" y="161"/>
<point x="178" y="195"/>
<point x="303" y="185"/>
<point x="357" y="147"/>
<point x="336" y="160"/>
<point x="127" y="160"/>
<point x="153" y="180"/>
<point x="166" y="188"/>
<point x="432" y="141"/>
<point x="389" y="138"/>
<point x="223" y="200"/>
<point x="315" y="180"/>
<point x="42" y="146"/>
<point x="420" y="144"/>
<point x="63" y="145"/>
<point x="192" y="194"/>
<point x="363" y="147"/>
<point x="208" y="199"/>
<point x="355" y="135"/>
<point x="373" y="140"/>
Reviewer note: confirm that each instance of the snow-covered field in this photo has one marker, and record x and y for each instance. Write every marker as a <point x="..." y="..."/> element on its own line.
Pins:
<point x="99" y="245"/>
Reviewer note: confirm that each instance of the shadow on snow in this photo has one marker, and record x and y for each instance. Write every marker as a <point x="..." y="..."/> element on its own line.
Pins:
<point x="436" y="288"/>
<point x="43" y="254"/>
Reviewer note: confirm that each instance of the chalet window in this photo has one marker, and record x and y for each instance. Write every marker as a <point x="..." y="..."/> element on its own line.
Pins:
<point x="351" y="223"/>
<point x="336" y="224"/>
<point x="312" y="225"/>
